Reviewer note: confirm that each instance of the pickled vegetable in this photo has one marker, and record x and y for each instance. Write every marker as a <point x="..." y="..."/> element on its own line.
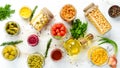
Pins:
<point x="10" y="52"/>
<point x="35" y="61"/>
<point x="12" y="28"/>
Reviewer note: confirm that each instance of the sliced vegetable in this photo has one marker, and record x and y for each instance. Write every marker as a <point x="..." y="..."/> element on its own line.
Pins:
<point x="5" y="12"/>
<point x="78" y="29"/>
<point x="48" y="46"/>
<point x="33" y="12"/>
<point x="11" y="43"/>
<point x="107" y="40"/>
<point x="58" y="30"/>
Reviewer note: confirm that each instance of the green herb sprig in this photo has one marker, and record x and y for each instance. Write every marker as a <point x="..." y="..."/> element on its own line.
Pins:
<point x="33" y="13"/>
<point x="5" y="12"/>
<point x="48" y="46"/>
<point x="107" y="40"/>
<point x="78" y="29"/>
<point x="11" y="43"/>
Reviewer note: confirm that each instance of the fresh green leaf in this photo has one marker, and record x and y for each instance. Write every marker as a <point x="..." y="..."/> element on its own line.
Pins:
<point x="11" y="43"/>
<point x="107" y="40"/>
<point x="78" y="28"/>
<point x="5" y="12"/>
<point x="48" y="46"/>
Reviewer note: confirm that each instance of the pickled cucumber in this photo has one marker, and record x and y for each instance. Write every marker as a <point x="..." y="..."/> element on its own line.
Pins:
<point x="12" y="28"/>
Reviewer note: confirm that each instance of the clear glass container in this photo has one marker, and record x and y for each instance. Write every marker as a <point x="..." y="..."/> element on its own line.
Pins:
<point x="35" y="60"/>
<point x="98" y="55"/>
<point x="10" y="52"/>
<point x="12" y="28"/>
<point x="72" y="47"/>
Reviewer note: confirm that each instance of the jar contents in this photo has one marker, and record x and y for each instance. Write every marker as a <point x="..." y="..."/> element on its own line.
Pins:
<point x="44" y="17"/>
<point x="72" y="47"/>
<point x="33" y="40"/>
<point x="68" y="12"/>
<point x="12" y="28"/>
<point x="114" y="11"/>
<point x="58" y="30"/>
<point x="25" y="12"/>
<point x="56" y="54"/>
<point x="98" y="56"/>
<point x="10" y="52"/>
<point x="95" y="16"/>
<point x="35" y="61"/>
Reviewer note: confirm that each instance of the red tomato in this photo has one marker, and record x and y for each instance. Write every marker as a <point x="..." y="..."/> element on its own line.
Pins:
<point x="53" y="33"/>
<point x="62" y="28"/>
<point x="54" y="28"/>
<point x="58" y="34"/>
<point x="62" y="33"/>
<point x="58" y="25"/>
<point x="57" y="30"/>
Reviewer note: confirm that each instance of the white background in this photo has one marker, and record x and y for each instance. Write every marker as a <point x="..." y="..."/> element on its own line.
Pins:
<point x="81" y="61"/>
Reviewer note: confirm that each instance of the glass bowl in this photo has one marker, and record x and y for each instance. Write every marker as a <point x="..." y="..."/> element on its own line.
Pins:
<point x="35" y="60"/>
<point x="98" y="55"/>
<point x="12" y="28"/>
<point x="10" y="52"/>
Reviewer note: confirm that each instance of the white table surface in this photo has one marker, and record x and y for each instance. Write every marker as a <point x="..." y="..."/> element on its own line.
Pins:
<point x="54" y="6"/>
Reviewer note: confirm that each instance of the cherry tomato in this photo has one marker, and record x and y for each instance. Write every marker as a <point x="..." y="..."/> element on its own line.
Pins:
<point x="54" y="28"/>
<point x="53" y="33"/>
<point x="58" y="29"/>
<point x="58" y="34"/>
<point x="62" y="28"/>
<point x="62" y="33"/>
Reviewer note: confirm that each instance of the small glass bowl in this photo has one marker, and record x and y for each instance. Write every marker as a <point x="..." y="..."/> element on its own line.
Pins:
<point x="10" y="52"/>
<point x="98" y="55"/>
<point x="35" y="60"/>
<point x="68" y="13"/>
<point x="58" y="31"/>
<point x="25" y="12"/>
<point x="56" y="54"/>
<point x="12" y="28"/>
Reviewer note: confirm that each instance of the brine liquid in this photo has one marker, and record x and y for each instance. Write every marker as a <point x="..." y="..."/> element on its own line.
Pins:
<point x="72" y="47"/>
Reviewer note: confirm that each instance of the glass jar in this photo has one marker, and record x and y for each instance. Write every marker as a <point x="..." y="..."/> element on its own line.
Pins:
<point x="44" y="17"/>
<point x="95" y="16"/>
